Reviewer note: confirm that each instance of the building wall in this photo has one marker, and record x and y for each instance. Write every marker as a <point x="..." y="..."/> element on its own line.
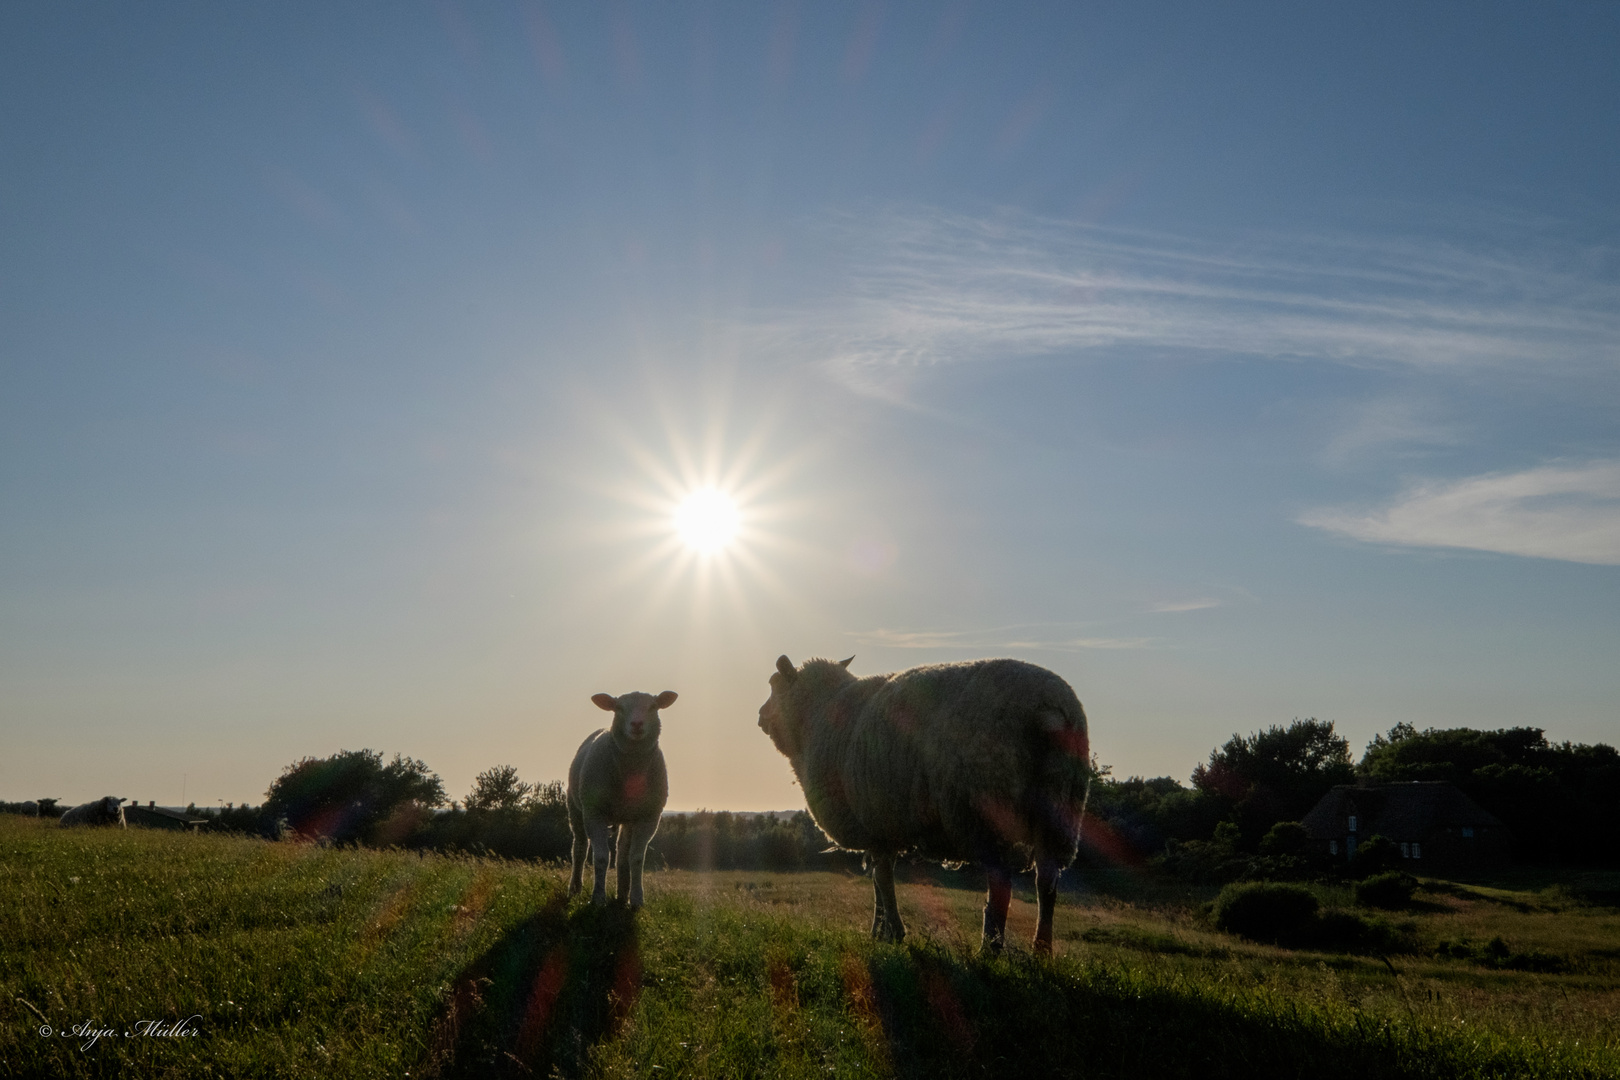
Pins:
<point x="1444" y="851"/>
<point x="1448" y="851"/>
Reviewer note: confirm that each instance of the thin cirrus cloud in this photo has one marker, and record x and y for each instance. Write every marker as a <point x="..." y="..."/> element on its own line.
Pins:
<point x="1172" y="606"/>
<point x="997" y="638"/>
<point x="926" y="288"/>
<point x="1566" y="512"/>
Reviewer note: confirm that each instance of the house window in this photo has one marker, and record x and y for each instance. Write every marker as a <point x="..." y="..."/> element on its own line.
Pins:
<point x="1417" y="851"/>
<point x="1406" y="851"/>
<point x="1333" y="847"/>
<point x="1352" y="823"/>
<point x="1468" y="830"/>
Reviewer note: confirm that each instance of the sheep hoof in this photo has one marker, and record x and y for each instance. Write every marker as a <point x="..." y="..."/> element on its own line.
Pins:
<point x="1043" y="946"/>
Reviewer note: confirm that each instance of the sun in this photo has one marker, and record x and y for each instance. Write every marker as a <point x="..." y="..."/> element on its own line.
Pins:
<point x="707" y="520"/>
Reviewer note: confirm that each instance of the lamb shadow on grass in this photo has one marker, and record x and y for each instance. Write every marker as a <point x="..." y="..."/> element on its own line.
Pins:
<point x="942" y="1014"/>
<point x="541" y="997"/>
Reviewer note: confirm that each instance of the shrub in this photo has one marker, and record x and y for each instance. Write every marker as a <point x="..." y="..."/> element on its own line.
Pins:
<point x="1497" y="953"/>
<point x="1374" y="856"/>
<point x="1265" y="910"/>
<point x="353" y="797"/>
<point x="1345" y="931"/>
<point x="1391" y="890"/>
<point x="1286" y="838"/>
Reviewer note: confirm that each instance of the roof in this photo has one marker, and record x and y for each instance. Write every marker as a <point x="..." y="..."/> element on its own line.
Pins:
<point x="1405" y="810"/>
<point x="132" y="810"/>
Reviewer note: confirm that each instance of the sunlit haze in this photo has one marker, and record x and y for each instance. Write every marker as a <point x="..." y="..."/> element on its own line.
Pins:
<point x="400" y="377"/>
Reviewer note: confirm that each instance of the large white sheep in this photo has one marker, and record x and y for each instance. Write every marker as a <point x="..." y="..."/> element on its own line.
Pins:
<point x="986" y="761"/>
<point x="617" y="787"/>
<point x="106" y="810"/>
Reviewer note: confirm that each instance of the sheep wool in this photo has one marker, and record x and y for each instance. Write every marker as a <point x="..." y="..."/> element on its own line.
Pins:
<point x="617" y="788"/>
<point x="106" y="810"/>
<point x="985" y="761"/>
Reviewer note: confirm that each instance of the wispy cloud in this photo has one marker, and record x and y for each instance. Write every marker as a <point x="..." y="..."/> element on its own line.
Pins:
<point x="926" y="288"/>
<point x="997" y="638"/>
<point x="909" y="639"/>
<point x="1388" y="425"/>
<point x="1569" y="512"/>
<point x="1185" y="605"/>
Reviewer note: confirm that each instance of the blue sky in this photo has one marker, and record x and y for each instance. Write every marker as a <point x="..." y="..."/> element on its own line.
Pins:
<point x="1238" y="362"/>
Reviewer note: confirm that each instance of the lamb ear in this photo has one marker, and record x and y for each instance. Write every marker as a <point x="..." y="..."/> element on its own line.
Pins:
<point x="846" y="663"/>
<point x="785" y="666"/>
<point x="666" y="699"/>
<point x="605" y="701"/>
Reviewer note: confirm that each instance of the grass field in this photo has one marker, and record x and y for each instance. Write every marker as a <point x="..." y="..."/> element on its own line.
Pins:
<point x="293" y="960"/>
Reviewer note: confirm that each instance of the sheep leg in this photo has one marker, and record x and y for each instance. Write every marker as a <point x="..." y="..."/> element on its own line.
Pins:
<point x="886" y="925"/>
<point x="621" y="857"/>
<point x="996" y="902"/>
<point x="880" y="914"/>
<point x="601" y="834"/>
<point x="576" y="825"/>
<point x="1046" y="875"/>
<point x="633" y="841"/>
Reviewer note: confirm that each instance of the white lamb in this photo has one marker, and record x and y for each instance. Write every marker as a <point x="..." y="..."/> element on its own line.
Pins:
<point x="618" y="785"/>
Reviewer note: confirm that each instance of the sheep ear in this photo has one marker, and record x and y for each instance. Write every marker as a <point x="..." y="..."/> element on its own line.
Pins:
<point x="846" y="663"/>
<point x="604" y="701"/>
<point x="785" y="666"/>
<point x="666" y="699"/>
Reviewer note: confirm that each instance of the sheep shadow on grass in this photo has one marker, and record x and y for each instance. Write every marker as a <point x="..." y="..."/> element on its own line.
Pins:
<point x="541" y="997"/>
<point x="940" y="1013"/>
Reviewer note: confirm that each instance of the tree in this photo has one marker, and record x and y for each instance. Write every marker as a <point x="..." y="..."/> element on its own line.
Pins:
<point x="353" y="797"/>
<point x="498" y="789"/>
<point x="1559" y="799"/>
<point x="1134" y="818"/>
<point x="1277" y="774"/>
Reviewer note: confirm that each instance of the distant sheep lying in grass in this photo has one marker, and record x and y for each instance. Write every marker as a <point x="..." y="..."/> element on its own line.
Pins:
<point x="618" y="785"/>
<point x="104" y="811"/>
<point x="986" y="761"/>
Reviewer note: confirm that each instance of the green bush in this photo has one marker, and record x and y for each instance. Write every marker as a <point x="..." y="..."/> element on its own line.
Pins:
<point x="1345" y="931"/>
<point x="1375" y="855"/>
<point x="352" y="797"/>
<point x="1497" y="953"/>
<point x="1391" y="890"/>
<point x="1265" y="910"/>
<point x="1286" y="838"/>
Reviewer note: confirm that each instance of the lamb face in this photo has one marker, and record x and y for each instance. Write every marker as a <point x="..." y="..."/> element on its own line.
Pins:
<point x="635" y="715"/>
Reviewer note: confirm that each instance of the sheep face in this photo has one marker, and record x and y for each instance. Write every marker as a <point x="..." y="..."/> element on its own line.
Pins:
<point x="781" y="717"/>
<point x="635" y="715"/>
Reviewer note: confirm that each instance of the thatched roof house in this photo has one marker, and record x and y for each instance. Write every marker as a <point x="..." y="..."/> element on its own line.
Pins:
<point x="1437" y="828"/>
<point x="153" y="816"/>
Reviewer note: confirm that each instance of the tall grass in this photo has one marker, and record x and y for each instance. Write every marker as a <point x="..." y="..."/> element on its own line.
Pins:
<point x="301" y="961"/>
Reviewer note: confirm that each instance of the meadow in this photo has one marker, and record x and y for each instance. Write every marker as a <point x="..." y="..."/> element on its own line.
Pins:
<point x="289" y="959"/>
